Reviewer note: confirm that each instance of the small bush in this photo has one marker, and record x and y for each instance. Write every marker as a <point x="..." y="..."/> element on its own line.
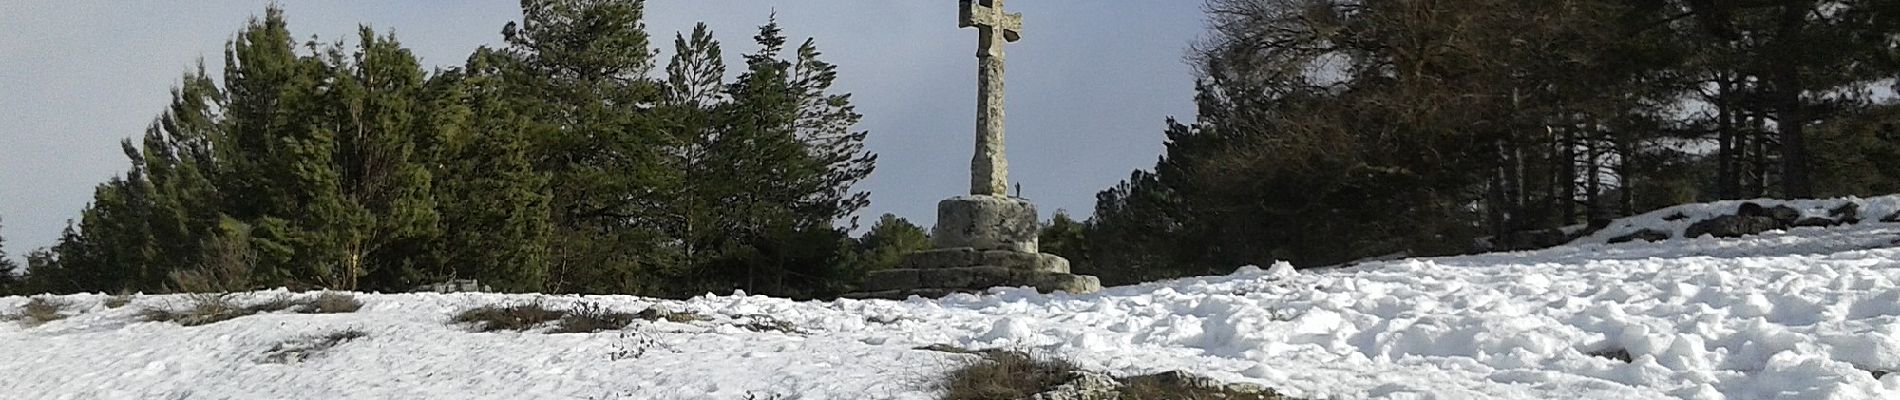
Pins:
<point x="1003" y="375"/>
<point x="39" y="311"/>
<point x="590" y="318"/>
<point x="205" y="309"/>
<point x="1006" y="376"/>
<point x="518" y="317"/>
<point x="302" y="349"/>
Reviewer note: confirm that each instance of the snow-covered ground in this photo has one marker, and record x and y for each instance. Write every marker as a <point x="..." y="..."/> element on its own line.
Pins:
<point x="1808" y="313"/>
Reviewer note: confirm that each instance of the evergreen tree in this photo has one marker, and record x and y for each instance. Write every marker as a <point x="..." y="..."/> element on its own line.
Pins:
<point x="691" y="113"/>
<point x="376" y="208"/>
<point x="1064" y="236"/>
<point x="494" y="204"/>
<point x="887" y="241"/>
<point x="9" y="270"/>
<point x="781" y="173"/>
<point x="585" y="63"/>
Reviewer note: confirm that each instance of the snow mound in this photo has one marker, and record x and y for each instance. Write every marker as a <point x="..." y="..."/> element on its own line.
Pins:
<point x="1800" y="314"/>
<point x="1675" y="220"/>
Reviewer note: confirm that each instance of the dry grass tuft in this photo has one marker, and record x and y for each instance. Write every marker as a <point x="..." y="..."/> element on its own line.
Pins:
<point x="590" y="318"/>
<point x="40" y="310"/>
<point x="1006" y="376"/>
<point x="302" y="349"/>
<point x="205" y="309"/>
<point x="519" y="317"/>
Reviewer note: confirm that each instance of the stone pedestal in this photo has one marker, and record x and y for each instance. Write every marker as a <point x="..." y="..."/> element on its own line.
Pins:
<point x="982" y="242"/>
<point x="986" y="223"/>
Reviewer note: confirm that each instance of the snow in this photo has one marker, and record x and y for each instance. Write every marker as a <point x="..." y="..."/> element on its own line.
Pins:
<point x="1807" y="313"/>
<point x="1675" y="220"/>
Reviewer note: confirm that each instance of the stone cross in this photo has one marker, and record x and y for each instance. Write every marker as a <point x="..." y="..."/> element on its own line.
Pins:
<point x="989" y="172"/>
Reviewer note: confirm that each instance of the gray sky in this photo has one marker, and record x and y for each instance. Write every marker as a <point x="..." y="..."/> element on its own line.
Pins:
<point x="1089" y="85"/>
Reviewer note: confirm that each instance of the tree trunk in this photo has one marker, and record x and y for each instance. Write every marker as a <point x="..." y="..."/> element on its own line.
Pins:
<point x="1727" y="179"/>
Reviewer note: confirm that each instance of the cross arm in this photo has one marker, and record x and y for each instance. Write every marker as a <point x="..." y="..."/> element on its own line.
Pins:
<point x="974" y="14"/>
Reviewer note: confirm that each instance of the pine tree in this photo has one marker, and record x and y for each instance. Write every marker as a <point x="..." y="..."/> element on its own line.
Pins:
<point x="886" y="243"/>
<point x="1064" y="236"/>
<point x="387" y="210"/>
<point x="585" y="63"/>
<point x="691" y="113"/>
<point x="782" y="170"/>
<point x="9" y="270"/>
<point x="493" y="203"/>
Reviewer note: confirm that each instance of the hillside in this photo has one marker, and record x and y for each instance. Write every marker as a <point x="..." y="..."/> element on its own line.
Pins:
<point x="1804" y="313"/>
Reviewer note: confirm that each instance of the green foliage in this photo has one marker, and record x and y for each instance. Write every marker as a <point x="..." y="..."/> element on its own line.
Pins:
<point x="9" y="270"/>
<point x="1419" y="136"/>
<point x="553" y="164"/>
<point x="1066" y="237"/>
<point x="887" y="241"/>
<point x="501" y="224"/>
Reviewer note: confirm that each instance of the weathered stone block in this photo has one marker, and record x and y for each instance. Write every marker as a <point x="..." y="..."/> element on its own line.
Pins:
<point x="1073" y="284"/>
<point x="943" y="258"/>
<point x="890" y="279"/>
<point x="1052" y="263"/>
<point x="986" y="223"/>
<point x="982" y="277"/>
<point x="903" y="294"/>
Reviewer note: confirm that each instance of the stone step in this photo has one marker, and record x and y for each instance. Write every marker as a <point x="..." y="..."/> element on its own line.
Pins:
<point x="903" y="294"/>
<point x="1046" y="283"/>
<point x="963" y="257"/>
<point x="978" y="278"/>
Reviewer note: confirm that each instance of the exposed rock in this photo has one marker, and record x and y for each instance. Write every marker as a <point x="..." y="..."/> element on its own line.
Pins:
<point x="1089" y="385"/>
<point x="1073" y="284"/>
<point x="1815" y="222"/>
<point x="1084" y="385"/>
<point x="1782" y="215"/>
<point x="1647" y="235"/>
<point x="1733" y="226"/>
<point x="1848" y="213"/>
<point x="1894" y="217"/>
<point x="1179" y="379"/>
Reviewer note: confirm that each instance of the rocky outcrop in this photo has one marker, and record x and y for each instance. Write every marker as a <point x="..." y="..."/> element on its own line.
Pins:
<point x="1647" y="235"/>
<point x="1089" y="385"/>
<point x="1733" y="226"/>
<point x="1751" y="218"/>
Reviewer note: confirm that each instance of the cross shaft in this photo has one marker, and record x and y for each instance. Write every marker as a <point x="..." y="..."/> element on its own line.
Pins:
<point x="989" y="170"/>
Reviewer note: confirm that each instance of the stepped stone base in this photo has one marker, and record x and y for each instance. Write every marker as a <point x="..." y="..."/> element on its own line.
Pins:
<point x="982" y="242"/>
